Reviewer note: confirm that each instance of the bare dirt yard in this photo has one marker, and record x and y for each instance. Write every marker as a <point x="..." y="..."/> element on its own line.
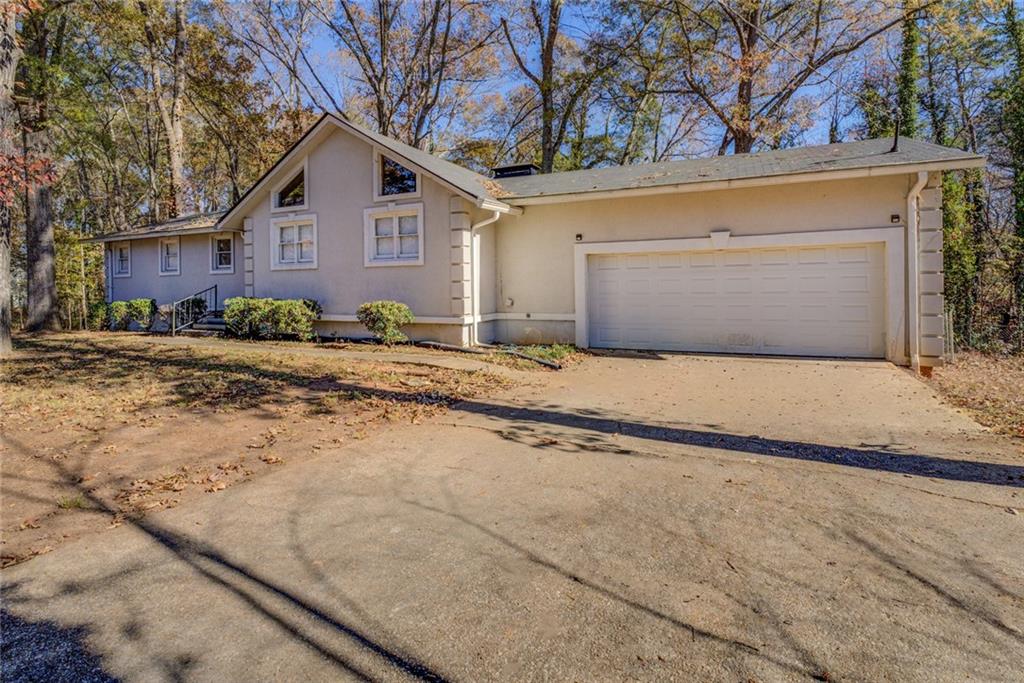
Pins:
<point x="99" y="428"/>
<point x="989" y="386"/>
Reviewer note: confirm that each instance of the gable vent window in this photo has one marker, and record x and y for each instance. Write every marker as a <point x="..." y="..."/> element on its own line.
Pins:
<point x="291" y="195"/>
<point x="394" y="181"/>
<point x="294" y="192"/>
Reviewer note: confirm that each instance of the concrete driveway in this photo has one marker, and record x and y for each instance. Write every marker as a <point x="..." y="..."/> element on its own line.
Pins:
<point x="640" y="517"/>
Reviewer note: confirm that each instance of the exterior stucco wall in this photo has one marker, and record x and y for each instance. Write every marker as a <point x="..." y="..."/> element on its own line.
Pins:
<point x="195" y="260"/>
<point x="535" y="250"/>
<point x="339" y="188"/>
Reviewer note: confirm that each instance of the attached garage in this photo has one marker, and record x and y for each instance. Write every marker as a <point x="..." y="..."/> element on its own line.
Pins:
<point x="820" y="300"/>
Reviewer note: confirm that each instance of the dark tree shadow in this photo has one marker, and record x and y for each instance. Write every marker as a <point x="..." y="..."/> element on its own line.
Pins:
<point x="870" y="459"/>
<point x="44" y="651"/>
<point x="249" y="586"/>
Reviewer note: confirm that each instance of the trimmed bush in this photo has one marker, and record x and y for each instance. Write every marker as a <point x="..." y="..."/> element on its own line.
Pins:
<point x="384" y="320"/>
<point x="252" y="318"/>
<point x="142" y="311"/>
<point x="99" y="315"/>
<point x="118" y="316"/>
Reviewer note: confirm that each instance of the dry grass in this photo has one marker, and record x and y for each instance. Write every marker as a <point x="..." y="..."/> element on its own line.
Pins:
<point x="990" y="387"/>
<point x="113" y="426"/>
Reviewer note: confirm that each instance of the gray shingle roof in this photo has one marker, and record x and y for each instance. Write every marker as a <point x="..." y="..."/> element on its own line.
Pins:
<point x="195" y="224"/>
<point x="835" y="157"/>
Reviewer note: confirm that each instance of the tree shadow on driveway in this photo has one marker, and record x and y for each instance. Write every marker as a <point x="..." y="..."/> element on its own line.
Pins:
<point x="251" y="587"/>
<point x="931" y="466"/>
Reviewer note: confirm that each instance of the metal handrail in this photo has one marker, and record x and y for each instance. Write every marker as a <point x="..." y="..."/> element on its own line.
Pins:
<point x="191" y="309"/>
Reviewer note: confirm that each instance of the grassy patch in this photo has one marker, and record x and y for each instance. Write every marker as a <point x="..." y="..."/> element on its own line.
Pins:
<point x="75" y="502"/>
<point x="989" y="387"/>
<point x="552" y="352"/>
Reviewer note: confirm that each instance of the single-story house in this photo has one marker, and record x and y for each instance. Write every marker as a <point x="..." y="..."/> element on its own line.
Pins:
<point x="832" y="250"/>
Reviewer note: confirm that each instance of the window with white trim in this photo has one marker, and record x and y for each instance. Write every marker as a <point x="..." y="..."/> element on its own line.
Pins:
<point x="291" y="194"/>
<point x="392" y="180"/>
<point x="293" y="243"/>
<point x="222" y="253"/>
<point x="394" y="235"/>
<point x="170" y="263"/>
<point x="122" y="255"/>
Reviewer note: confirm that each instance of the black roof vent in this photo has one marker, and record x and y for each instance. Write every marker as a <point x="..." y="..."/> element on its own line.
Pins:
<point x="514" y="170"/>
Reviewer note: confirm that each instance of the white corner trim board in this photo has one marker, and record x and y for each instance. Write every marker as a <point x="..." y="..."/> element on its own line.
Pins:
<point x="891" y="237"/>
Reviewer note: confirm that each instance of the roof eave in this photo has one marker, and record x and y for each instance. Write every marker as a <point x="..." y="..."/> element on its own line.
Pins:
<point x="123" y="237"/>
<point x="760" y="181"/>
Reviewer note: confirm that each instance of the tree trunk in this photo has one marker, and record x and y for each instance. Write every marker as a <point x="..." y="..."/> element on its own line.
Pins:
<point x="45" y="42"/>
<point x="170" y="112"/>
<point x="10" y="54"/>
<point x="40" y="276"/>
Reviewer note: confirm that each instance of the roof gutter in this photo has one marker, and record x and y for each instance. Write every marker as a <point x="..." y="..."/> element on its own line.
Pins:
<point x="761" y="181"/>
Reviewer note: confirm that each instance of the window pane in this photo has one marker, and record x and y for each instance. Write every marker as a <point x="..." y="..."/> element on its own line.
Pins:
<point x="385" y="247"/>
<point x="383" y="226"/>
<point x="287" y="253"/>
<point x="287" y="234"/>
<point x="294" y="193"/>
<point x="408" y="225"/>
<point x="224" y="260"/>
<point x="306" y="251"/>
<point x="223" y="245"/>
<point x="410" y="246"/>
<point x="305" y="233"/>
<point x="395" y="178"/>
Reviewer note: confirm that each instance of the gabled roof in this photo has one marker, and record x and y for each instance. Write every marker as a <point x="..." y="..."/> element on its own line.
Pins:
<point x="867" y="157"/>
<point x="470" y="184"/>
<point x="196" y="224"/>
<point x="840" y="160"/>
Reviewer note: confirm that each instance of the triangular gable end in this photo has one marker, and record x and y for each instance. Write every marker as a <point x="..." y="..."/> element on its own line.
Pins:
<point x="463" y="186"/>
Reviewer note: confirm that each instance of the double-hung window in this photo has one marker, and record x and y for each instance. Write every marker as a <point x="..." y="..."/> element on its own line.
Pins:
<point x="122" y="255"/>
<point x="293" y="243"/>
<point x="222" y="254"/>
<point x="170" y="263"/>
<point x="393" y="235"/>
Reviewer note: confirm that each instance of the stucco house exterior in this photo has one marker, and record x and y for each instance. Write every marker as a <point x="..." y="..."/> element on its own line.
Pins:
<point x="833" y="250"/>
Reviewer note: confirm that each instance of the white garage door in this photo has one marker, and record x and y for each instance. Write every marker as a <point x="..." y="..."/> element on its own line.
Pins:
<point x="816" y="301"/>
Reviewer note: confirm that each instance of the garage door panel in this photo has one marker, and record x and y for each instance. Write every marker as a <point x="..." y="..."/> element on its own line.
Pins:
<point x="799" y="300"/>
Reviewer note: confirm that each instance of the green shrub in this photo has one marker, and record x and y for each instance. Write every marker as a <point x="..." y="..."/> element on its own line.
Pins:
<point x="142" y="311"/>
<point x="118" y="315"/>
<point x="384" y="319"/>
<point x="252" y="318"/>
<point x="99" y="315"/>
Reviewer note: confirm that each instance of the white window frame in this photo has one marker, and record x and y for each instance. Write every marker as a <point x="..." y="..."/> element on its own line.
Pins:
<point x="214" y="269"/>
<point x="115" y="247"/>
<point x="370" y="239"/>
<point x="160" y="255"/>
<point x="378" y="167"/>
<point x="302" y="166"/>
<point x="275" y="237"/>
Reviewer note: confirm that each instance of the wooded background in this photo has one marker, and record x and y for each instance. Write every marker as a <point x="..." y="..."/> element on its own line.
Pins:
<point x="117" y="113"/>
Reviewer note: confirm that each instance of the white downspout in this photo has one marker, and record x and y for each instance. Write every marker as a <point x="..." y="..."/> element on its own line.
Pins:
<point x="474" y="276"/>
<point x="913" y="271"/>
